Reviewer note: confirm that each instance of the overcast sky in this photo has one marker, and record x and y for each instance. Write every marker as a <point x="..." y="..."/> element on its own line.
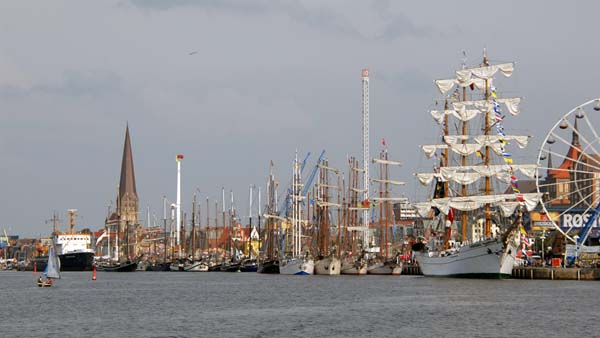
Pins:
<point x="268" y="78"/>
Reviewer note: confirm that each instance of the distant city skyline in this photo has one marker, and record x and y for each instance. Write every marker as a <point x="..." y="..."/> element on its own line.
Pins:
<point x="233" y="85"/>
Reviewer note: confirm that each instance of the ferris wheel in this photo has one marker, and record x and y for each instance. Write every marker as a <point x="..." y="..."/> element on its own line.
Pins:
<point x="568" y="172"/>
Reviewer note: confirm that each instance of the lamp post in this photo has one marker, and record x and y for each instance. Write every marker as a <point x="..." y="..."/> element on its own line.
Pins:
<point x="576" y="238"/>
<point x="543" y="237"/>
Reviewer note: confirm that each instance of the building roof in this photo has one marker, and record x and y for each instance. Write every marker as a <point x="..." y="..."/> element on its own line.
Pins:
<point x="563" y="171"/>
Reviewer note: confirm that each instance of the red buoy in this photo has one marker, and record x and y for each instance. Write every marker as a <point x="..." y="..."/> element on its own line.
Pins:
<point x="34" y="268"/>
<point x="94" y="273"/>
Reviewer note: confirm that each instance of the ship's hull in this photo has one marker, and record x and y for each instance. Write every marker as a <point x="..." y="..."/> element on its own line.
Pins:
<point x="76" y="261"/>
<point x="268" y="267"/>
<point x="123" y="267"/>
<point x="488" y="259"/>
<point x="350" y="267"/>
<point x="159" y="267"/>
<point x="215" y="267"/>
<point x="231" y="267"/>
<point x="197" y="267"/>
<point x="328" y="266"/>
<point x="297" y="266"/>
<point x="249" y="265"/>
<point x="385" y="268"/>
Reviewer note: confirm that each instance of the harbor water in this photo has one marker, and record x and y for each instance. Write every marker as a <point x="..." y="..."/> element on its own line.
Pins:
<point x="165" y="304"/>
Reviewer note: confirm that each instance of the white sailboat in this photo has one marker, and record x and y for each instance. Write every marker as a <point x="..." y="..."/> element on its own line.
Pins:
<point x="475" y="178"/>
<point x="52" y="270"/>
<point x="296" y="262"/>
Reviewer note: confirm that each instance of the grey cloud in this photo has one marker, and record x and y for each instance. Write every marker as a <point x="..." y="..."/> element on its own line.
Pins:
<point x="209" y="5"/>
<point x="90" y="83"/>
<point x="322" y="18"/>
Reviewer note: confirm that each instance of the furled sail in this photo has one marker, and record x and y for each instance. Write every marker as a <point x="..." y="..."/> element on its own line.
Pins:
<point x="485" y="73"/>
<point x="429" y="150"/>
<point x="512" y="104"/>
<point x="461" y="114"/>
<point x="469" y="203"/>
<point x="470" y="174"/>
<point x="446" y="85"/>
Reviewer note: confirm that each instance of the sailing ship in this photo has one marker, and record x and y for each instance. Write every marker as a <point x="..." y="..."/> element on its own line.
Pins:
<point x="328" y="261"/>
<point x="295" y="261"/>
<point x="268" y="262"/>
<point x="474" y="177"/>
<point x="382" y="263"/>
<point x="353" y="261"/>
<point x="52" y="270"/>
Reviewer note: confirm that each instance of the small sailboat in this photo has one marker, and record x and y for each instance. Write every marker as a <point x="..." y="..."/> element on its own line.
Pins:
<point x="52" y="270"/>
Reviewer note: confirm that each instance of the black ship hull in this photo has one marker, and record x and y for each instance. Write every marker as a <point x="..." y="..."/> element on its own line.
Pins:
<point x="76" y="261"/>
<point x="124" y="267"/>
<point x="249" y="266"/>
<point x="233" y="267"/>
<point x="269" y="267"/>
<point x="216" y="267"/>
<point x="159" y="267"/>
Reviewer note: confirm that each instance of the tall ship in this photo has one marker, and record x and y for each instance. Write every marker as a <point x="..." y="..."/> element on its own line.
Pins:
<point x="268" y="262"/>
<point x="327" y="260"/>
<point x="382" y="260"/>
<point x="475" y="206"/>
<point x="294" y="260"/>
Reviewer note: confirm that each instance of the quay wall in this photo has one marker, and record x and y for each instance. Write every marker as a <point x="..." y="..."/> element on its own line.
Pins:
<point x="556" y="273"/>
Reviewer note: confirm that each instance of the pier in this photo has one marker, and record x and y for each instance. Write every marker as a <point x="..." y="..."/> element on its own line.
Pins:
<point x="556" y="273"/>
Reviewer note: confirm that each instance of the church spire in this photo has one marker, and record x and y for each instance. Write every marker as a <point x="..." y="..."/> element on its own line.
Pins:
<point x="575" y="138"/>
<point x="549" y="162"/>
<point x="127" y="198"/>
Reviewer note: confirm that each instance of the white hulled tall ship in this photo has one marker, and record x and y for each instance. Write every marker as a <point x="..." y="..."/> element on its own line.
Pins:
<point x="296" y="262"/>
<point x="476" y="202"/>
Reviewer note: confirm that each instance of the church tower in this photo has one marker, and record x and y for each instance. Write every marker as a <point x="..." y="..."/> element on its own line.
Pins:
<point x="127" y="200"/>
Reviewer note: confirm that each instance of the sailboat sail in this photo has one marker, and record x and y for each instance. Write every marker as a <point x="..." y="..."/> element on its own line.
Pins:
<point x="53" y="267"/>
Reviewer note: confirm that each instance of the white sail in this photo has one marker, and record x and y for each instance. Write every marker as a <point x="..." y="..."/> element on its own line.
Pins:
<point x="430" y="149"/>
<point x="446" y="85"/>
<point x="461" y="114"/>
<point x="470" y="174"/>
<point x="469" y="203"/>
<point x="512" y="104"/>
<point x="485" y="73"/>
<point x="53" y="267"/>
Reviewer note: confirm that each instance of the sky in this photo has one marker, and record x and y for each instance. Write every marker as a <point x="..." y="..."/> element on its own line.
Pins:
<point x="233" y="85"/>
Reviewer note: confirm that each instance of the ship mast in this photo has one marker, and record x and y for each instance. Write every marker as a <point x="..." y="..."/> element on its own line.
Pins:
<point x="488" y="221"/>
<point x="178" y="205"/>
<point x="444" y="163"/>
<point x="463" y="162"/>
